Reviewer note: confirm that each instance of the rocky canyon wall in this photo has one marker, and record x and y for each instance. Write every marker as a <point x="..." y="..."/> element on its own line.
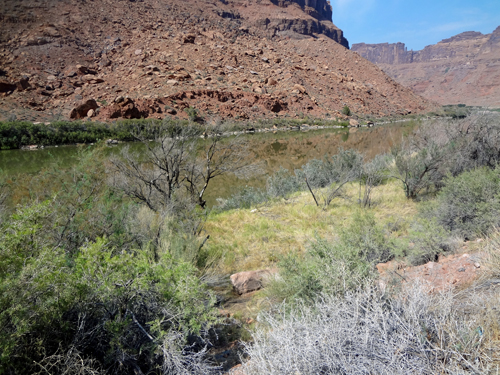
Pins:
<point x="462" y="69"/>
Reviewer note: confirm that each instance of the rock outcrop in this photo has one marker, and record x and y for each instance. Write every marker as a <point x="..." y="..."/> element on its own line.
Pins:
<point x="301" y="18"/>
<point x="462" y="69"/>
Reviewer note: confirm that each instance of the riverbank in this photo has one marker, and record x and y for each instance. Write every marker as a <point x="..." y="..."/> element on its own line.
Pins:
<point x="37" y="135"/>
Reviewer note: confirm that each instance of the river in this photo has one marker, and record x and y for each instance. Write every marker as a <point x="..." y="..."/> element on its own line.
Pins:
<point x="271" y="151"/>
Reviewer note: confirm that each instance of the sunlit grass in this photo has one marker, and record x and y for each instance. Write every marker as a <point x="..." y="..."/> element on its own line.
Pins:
<point x="256" y="238"/>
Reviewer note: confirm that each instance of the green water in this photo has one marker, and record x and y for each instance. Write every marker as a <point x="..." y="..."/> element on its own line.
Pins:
<point x="270" y="151"/>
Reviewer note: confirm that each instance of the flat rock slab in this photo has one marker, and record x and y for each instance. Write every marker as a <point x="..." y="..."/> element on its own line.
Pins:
<point x="249" y="281"/>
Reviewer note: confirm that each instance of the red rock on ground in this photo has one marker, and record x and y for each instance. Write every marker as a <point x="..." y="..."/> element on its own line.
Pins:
<point x="246" y="282"/>
<point x="452" y="271"/>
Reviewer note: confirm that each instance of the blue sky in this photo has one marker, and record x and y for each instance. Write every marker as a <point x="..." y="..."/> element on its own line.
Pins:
<point x="415" y="23"/>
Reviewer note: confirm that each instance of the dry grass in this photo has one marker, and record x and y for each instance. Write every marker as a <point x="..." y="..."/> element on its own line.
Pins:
<point x="367" y="333"/>
<point x="256" y="238"/>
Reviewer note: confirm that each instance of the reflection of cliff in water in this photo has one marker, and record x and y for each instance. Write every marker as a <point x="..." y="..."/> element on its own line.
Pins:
<point x="291" y="150"/>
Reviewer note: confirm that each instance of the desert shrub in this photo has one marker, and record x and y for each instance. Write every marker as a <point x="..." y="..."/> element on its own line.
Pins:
<point x="338" y="266"/>
<point x="83" y="206"/>
<point x="176" y="167"/>
<point x="346" y="110"/>
<point x="319" y="173"/>
<point x="365" y="332"/>
<point x="245" y="198"/>
<point x="373" y="174"/>
<point x="327" y="178"/>
<point x="420" y="167"/>
<point x="368" y="239"/>
<point x="476" y="142"/>
<point x="428" y="239"/>
<point x="435" y="149"/>
<point x="125" y="312"/>
<point x="192" y="113"/>
<point x="281" y="184"/>
<point x="469" y="204"/>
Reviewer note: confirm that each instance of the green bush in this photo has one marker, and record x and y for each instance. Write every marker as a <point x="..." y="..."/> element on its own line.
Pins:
<point x="469" y="204"/>
<point x="427" y="240"/>
<point x="102" y="303"/>
<point x="18" y="134"/>
<point x="335" y="267"/>
<point x="346" y="110"/>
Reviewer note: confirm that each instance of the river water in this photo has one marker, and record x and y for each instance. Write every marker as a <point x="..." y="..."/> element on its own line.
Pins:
<point x="270" y="151"/>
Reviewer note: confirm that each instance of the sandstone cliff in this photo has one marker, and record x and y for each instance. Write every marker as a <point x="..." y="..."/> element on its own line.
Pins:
<point x="294" y="18"/>
<point x="241" y="59"/>
<point x="462" y="69"/>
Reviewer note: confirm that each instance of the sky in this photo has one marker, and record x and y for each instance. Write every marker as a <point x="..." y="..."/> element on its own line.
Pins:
<point x="415" y="23"/>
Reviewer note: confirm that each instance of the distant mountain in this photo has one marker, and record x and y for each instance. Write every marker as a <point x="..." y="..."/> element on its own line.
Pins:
<point x="155" y="58"/>
<point x="462" y="69"/>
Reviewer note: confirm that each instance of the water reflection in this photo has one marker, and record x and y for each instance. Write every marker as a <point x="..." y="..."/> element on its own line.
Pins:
<point x="289" y="150"/>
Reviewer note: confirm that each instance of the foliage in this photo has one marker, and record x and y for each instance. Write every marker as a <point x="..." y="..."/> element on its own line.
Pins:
<point x="418" y="168"/>
<point x="172" y="175"/>
<point x="335" y="267"/>
<point x="346" y="110"/>
<point x="19" y="134"/>
<point x="84" y="207"/>
<point x="373" y="174"/>
<point x="192" y="114"/>
<point x="245" y="198"/>
<point x="332" y="174"/>
<point x="435" y="149"/>
<point x="469" y="204"/>
<point x="114" y="308"/>
<point x="428" y="239"/>
<point x="476" y="142"/>
<point x="281" y="184"/>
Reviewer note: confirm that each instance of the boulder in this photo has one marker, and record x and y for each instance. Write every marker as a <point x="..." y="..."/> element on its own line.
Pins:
<point x="300" y="88"/>
<point x="126" y="108"/>
<point x="23" y="84"/>
<point x="82" y="109"/>
<point x="353" y="122"/>
<point x="272" y="82"/>
<point x="246" y="282"/>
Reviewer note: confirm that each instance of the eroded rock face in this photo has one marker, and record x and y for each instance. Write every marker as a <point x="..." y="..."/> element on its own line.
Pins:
<point x="462" y="69"/>
<point x="384" y="53"/>
<point x="320" y="9"/>
<point x="317" y="19"/>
